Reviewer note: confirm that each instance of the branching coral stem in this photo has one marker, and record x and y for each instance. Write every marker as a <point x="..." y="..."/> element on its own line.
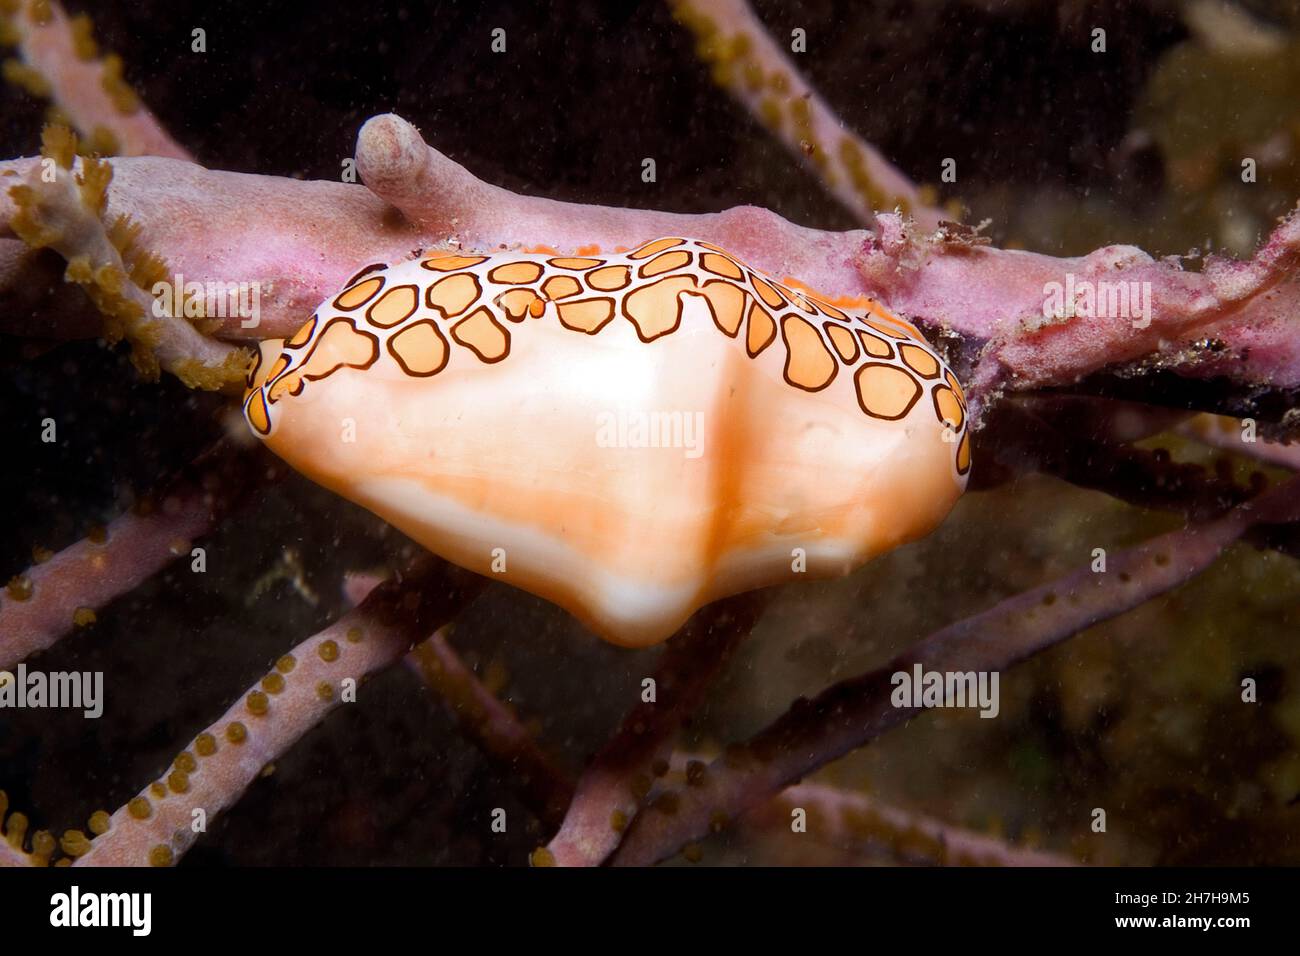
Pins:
<point x="42" y="604"/>
<point x="858" y="823"/>
<point x="494" y="728"/>
<point x="854" y="712"/>
<point x="61" y="206"/>
<point x="158" y="825"/>
<point x="762" y="77"/>
<point x="59" y="59"/>
<point x="610" y="791"/>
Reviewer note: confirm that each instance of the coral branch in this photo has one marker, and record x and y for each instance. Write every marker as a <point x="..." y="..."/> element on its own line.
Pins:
<point x="850" y="821"/>
<point x="447" y="202"/>
<point x="850" y="714"/>
<point x="157" y="826"/>
<point x="1227" y="433"/>
<point x="1042" y="434"/>
<point x="58" y="209"/>
<point x="610" y="791"/>
<point x="42" y="604"/>
<point x="748" y="64"/>
<point x="1233" y="319"/>
<point x="301" y="240"/>
<point x="494" y="727"/>
<point x="60" y="60"/>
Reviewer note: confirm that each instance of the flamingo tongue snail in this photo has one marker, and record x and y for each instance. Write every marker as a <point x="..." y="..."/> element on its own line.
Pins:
<point x="630" y="436"/>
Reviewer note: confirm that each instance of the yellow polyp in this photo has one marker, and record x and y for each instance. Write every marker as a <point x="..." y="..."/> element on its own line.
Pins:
<point x="44" y="845"/>
<point x="693" y="852"/>
<point x="102" y="141"/>
<point x="20" y="588"/>
<point x="124" y="233"/>
<point x="273" y="683"/>
<point x="178" y="781"/>
<point x="79" y="270"/>
<point x="41" y="555"/>
<point x="205" y="745"/>
<point x="157" y="789"/>
<point x="325" y="691"/>
<point x="25" y="78"/>
<point x="186" y="762"/>
<point x="354" y="635"/>
<point x="214" y="378"/>
<point x="97" y="533"/>
<point x="99" y="822"/>
<point x="16" y="830"/>
<point x="83" y="617"/>
<point x="83" y="37"/>
<point x="146" y="363"/>
<point x="146" y="268"/>
<point x="140" y="808"/>
<point x="74" y="843"/>
<point x="541" y="857"/>
<point x="40" y="12"/>
<point x="93" y="182"/>
<point x="118" y="90"/>
<point x="59" y="143"/>
<point x="236" y="733"/>
<point x="27" y="222"/>
<point x="161" y="855"/>
<point x="9" y="35"/>
<point x="618" y="821"/>
<point x="328" y="651"/>
<point x="258" y="703"/>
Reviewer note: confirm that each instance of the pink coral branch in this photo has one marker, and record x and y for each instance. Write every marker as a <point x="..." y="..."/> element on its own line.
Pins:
<point x="1227" y="434"/>
<point x="157" y="826"/>
<point x="44" y="603"/>
<point x="610" y="791"/>
<point x="853" y="712"/>
<point x="1235" y="319"/>
<point x="762" y="77"/>
<point x="853" y="822"/>
<point x="494" y="727"/>
<point x="448" y="202"/>
<point x="62" y="62"/>
<point x="64" y="212"/>
<point x="301" y="240"/>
